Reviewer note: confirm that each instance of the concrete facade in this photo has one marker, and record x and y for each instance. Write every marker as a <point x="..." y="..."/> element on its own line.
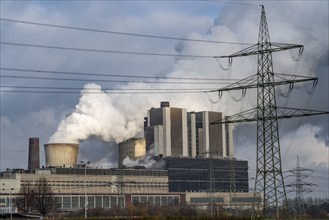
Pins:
<point x="166" y="131"/>
<point x="173" y="132"/>
<point x="227" y="200"/>
<point x="102" y="186"/>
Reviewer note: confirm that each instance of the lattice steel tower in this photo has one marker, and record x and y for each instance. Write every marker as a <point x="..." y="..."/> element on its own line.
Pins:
<point x="300" y="186"/>
<point x="269" y="182"/>
<point x="269" y="178"/>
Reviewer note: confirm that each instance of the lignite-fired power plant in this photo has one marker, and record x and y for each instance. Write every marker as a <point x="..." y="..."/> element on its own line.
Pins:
<point x="168" y="132"/>
<point x="171" y="165"/>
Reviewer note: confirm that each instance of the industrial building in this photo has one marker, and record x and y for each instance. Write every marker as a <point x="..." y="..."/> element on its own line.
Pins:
<point x="107" y="188"/>
<point x="174" y="132"/>
<point x="166" y="131"/>
<point x="204" y="174"/>
<point x="104" y="188"/>
<point x="195" y="162"/>
<point x="206" y="138"/>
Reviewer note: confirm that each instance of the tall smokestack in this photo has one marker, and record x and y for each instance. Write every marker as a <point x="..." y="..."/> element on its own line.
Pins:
<point x="34" y="156"/>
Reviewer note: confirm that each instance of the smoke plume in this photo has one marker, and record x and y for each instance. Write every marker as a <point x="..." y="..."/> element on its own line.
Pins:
<point x="114" y="117"/>
<point x="96" y="115"/>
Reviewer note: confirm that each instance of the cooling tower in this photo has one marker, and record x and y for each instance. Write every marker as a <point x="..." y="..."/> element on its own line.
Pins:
<point x="34" y="157"/>
<point x="61" y="154"/>
<point x="134" y="148"/>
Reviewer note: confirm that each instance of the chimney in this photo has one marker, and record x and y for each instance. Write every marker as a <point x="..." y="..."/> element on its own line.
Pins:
<point x="34" y="156"/>
<point x="164" y="104"/>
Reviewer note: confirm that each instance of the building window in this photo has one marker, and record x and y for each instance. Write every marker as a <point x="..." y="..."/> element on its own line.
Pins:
<point x="82" y="201"/>
<point x="106" y="202"/>
<point x="157" y="200"/>
<point x="99" y="202"/>
<point x="164" y="201"/>
<point x="91" y="202"/>
<point x="75" y="202"/>
<point x="135" y="200"/>
<point x="66" y="202"/>
<point x="114" y="201"/>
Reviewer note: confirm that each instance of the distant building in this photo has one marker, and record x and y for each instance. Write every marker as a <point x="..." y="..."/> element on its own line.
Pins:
<point x="134" y="148"/>
<point x="174" y="132"/>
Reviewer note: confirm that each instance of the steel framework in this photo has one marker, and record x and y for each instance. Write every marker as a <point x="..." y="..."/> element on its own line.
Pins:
<point x="300" y="187"/>
<point x="269" y="181"/>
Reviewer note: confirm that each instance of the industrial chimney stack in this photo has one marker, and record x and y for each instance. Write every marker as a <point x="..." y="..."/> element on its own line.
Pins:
<point x="34" y="156"/>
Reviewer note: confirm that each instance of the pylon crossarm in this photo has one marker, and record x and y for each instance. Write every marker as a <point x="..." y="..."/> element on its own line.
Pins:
<point x="282" y="112"/>
<point x="285" y="112"/>
<point x="294" y="184"/>
<point x="266" y="47"/>
<point x="245" y="116"/>
<point x="249" y="82"/>
<point x="294" y="173"/>
<point x="279" y="79"/>
<point x="298" y="169"/>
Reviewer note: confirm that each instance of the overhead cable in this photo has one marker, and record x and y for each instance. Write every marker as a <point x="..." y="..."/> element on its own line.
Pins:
<point x="119" y="33"/>
<point x="100" y="92"/>
<point x="106" y="51"/>
<point x="106" y="80"/>
<point x="103" y="89"/>
<point x="110" y="75"/>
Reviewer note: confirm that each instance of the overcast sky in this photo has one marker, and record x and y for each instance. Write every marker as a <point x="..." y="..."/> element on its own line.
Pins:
<point x="100" y="119"/>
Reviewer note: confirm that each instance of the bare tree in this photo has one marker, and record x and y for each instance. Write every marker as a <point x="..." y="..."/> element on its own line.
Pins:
<point x="44" y="197"/>
<point x="25" y="198"/>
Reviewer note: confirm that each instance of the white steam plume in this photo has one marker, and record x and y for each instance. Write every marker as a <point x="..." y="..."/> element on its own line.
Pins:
<point x="114" y="117"/>
<point x="96" y="115"/>
<point x="146" y="161"/>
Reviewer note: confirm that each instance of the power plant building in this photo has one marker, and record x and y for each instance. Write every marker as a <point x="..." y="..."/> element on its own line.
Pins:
<point x="174" y="132"/>
<point x="182" y="181"/>
<point x="166" y="131"/>
<point x="192" y="156"/>
<point x="202" y="174"/>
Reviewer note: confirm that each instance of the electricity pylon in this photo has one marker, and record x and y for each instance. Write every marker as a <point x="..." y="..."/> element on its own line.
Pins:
<point x="269" y="182"/>
<point x="121" y="188"/>
<point x="300" y="187"/>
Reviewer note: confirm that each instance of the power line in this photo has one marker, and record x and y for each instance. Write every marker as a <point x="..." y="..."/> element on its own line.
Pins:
<point x="105" y="51"/>
<point x="110" y="75"/>
<point x="61" y="90"/>
<point x="112" y="92"/>
<point x="105" y="80"/>
<point x="119" y="33"/>
<point x="93" y="89"/>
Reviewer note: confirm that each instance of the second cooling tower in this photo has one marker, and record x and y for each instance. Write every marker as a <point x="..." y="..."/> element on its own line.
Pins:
<point x="61" y="154"/>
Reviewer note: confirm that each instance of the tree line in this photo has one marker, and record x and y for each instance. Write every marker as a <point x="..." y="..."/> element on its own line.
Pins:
<point x="36" y="198"/>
